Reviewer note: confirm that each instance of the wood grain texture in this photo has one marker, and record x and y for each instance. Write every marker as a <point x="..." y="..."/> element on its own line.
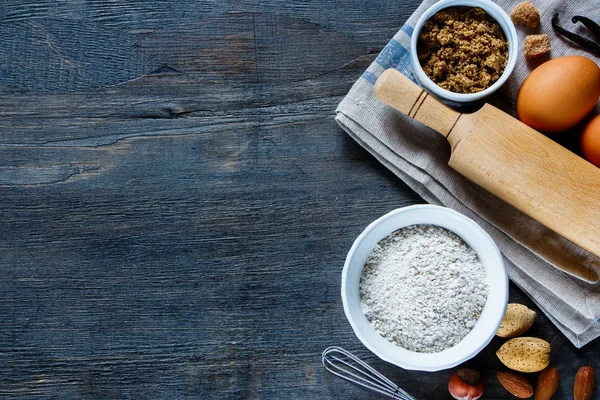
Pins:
<point x="68" y="54"/>
<point x="181" y="235"/>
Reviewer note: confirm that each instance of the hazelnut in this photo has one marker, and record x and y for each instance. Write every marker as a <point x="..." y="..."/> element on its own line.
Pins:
<point x="470" y="387"/>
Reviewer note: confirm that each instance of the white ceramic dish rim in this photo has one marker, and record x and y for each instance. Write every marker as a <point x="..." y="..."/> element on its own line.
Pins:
<point x="491" y="316"/>
<point x="507" y="27"/>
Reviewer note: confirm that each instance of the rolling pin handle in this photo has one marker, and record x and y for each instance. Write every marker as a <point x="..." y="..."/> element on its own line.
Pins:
<point x="399" y="92"/>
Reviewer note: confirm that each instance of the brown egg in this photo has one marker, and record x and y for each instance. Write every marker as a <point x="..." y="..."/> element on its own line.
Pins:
<point x="559" y="93"/>
<point x="590" y="141"/>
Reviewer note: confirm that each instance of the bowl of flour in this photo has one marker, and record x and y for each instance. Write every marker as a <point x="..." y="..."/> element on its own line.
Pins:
<point x="424" y="287"/>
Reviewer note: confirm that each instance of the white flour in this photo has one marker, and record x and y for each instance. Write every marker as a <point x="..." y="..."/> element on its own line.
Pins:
<point x="423" y="288"/>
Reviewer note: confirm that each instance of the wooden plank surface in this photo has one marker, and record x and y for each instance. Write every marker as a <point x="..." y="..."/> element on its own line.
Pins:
<point x="177" y="200"/>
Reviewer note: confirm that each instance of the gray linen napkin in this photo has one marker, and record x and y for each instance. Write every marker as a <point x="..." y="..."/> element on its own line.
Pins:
<point x="560" y="277"/>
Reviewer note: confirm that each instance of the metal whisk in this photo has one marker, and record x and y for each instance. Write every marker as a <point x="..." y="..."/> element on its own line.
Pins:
<point x="346" y="365"/>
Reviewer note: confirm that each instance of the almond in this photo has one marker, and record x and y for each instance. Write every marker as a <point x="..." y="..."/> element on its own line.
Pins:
<point x="585" y="381"/>
<point x="518" y="318"/>
<point x="525" y="354"/>
<point x="515" y="384"/>
<point x="547" y="384"/>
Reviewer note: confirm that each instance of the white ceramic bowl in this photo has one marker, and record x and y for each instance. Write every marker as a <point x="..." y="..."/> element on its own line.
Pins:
<point x="493" y="311"/>
<point x="513" y="48"/>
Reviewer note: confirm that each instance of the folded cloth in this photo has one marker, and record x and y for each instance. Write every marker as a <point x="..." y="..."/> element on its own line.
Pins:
<point x="560" y="277"/>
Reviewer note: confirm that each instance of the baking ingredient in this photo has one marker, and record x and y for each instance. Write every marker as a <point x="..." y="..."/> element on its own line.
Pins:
<point x="525" y="354"/>
<point x="469" y="375"/>
<point x="466" y="384"/>
<point x="590" y="141"/>
<point x="423" y="288"/>
<point x="536" y="46"/>
<point x="585" y="382"/>
<point x="462" y="49"/>
<point x="582" y="41"/>
<point x="559" y="93"/>
<point x="516" y="384"/>
<point x="517" y="320"/>
<point x="547" y="384"/>
<point x="525" y="14"/>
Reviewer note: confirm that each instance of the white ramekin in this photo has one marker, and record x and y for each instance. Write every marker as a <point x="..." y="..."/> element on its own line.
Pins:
<point x="487" y="251"/>
<point x="459" y="98"/>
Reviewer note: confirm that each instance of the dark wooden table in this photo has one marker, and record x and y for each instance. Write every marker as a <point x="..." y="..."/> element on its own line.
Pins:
<point x="177" y="200"/>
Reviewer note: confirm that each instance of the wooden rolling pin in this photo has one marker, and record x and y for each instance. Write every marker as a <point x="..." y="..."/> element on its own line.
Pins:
<point x="511" y="160"/>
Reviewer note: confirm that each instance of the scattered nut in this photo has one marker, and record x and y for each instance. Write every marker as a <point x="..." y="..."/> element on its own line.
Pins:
<point x="515" y="384"/>
<point x="462" y="388"/>
<point x="547" y="384"/>
<point x="536" y="45"/>
<point x="525" y="14"/>
<point x="517" y="320"/>
<point x="469" y="375"/>
<point x="585" y="381"/>
<point x="525" y="354"/>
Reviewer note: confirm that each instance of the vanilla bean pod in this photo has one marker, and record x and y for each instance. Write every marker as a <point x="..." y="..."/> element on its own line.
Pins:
<point x="580" y="40"/>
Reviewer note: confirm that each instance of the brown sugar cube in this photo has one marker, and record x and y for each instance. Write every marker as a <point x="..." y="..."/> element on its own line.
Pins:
<point x="525" y="14"/>
<point x="536" y="45"/>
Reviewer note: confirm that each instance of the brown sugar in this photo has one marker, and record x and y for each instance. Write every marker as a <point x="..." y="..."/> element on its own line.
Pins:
<point x="525" y="14"/>
<point x="536" y="45"/>
<point x="462" y="49"/>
